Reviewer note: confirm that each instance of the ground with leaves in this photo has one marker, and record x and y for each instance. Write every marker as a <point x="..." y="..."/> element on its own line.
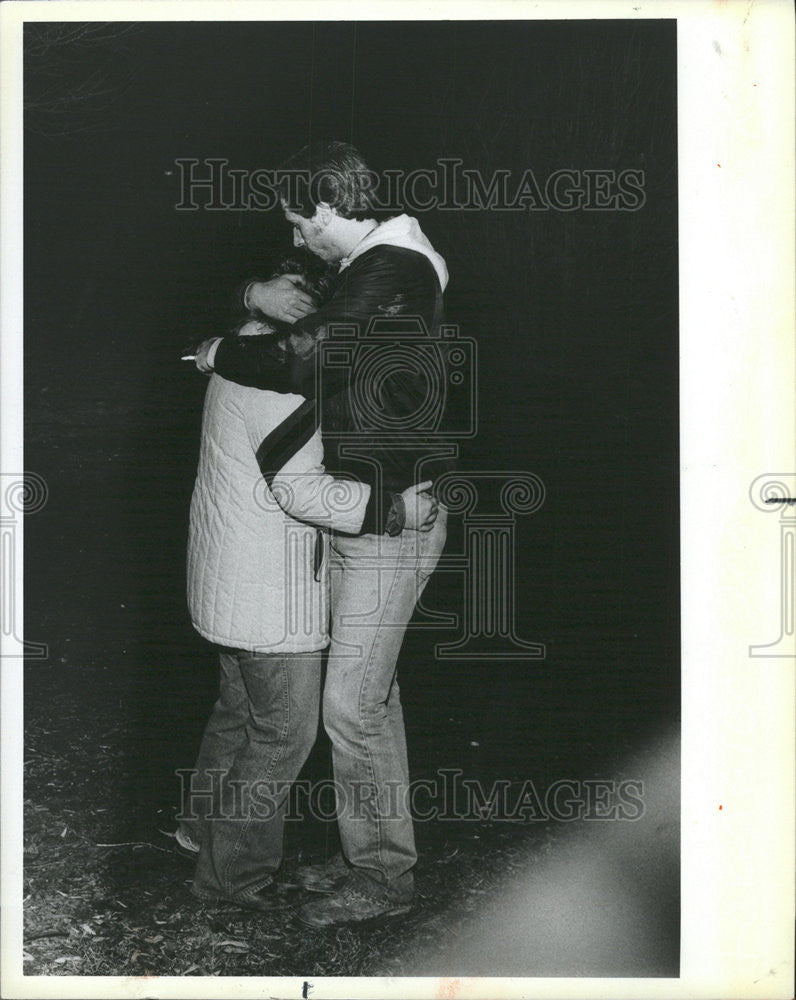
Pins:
<point x="107" y="894"/>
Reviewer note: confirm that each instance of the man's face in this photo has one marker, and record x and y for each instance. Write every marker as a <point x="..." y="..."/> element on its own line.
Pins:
<point x="314" y="234"/>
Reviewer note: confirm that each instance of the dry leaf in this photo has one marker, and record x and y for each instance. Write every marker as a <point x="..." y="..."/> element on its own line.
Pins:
<point x="240" y="945"/>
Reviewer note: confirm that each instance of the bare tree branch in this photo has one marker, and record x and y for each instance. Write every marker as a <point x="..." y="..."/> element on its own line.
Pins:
<point x="64" y="93"/>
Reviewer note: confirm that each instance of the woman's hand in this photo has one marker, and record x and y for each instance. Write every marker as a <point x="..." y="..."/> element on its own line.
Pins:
<point x="254" y="328"/>
<point x="281" y="298"/>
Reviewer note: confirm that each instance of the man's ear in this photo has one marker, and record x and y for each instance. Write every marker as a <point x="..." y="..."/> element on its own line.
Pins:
<point x="324" y="213"/>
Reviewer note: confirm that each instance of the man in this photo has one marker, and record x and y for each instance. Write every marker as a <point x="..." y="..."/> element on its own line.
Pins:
<point x="256" y="589"/>
<point x="388" y="272"/>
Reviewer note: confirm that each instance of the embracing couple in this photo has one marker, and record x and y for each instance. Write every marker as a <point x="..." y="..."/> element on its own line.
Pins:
<point x="313" y="513"/>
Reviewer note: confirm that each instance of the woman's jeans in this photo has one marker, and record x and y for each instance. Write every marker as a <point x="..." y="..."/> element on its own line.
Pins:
<point x="376" y="581"/>
<point x="260" y="733"/>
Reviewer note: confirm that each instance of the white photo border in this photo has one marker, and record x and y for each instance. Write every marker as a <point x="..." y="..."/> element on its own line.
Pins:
<point x="737" y="377"/>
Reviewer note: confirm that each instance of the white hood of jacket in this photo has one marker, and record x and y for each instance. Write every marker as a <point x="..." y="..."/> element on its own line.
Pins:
<point x="402" y="231"/>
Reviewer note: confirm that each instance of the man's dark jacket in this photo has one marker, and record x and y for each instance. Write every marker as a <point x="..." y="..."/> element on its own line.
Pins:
<point x="374" y="377"/>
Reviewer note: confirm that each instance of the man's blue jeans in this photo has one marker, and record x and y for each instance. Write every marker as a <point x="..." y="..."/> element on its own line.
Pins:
<point x="260" y="733"/>
<point x="376" y="581"/>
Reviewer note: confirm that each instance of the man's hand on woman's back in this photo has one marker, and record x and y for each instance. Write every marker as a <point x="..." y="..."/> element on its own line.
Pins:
<point x="420" y="506"/>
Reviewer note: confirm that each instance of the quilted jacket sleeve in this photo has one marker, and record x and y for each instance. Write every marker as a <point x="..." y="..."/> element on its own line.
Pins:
<point x="302" y="487"/>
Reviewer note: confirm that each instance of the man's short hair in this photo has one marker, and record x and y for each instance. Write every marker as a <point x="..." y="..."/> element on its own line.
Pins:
<point x="331" y="172"/>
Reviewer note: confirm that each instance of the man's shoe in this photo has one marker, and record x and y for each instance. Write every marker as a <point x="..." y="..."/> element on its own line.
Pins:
<point x="325" y="877"/>
<point x="268" y="899"/>
<point x="360" y="900"/>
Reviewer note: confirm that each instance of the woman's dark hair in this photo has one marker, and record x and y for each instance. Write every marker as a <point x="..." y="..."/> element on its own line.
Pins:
<point x="316" y="277"/>
<point x="316" y="280"/>
<point x="331" y="172"/>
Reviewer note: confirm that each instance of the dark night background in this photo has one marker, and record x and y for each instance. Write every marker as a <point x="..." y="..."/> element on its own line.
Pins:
<point x="575" y="315"/>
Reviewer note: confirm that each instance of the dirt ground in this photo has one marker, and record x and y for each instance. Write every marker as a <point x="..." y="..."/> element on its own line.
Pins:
<point x="107" y="894"/>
